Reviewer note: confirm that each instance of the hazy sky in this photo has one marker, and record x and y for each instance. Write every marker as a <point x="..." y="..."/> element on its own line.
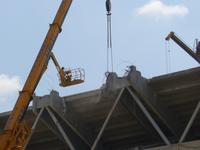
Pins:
<point x="139" y="28"/>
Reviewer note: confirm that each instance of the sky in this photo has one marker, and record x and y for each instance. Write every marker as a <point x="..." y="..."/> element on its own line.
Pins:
<point x="139" y="28"/>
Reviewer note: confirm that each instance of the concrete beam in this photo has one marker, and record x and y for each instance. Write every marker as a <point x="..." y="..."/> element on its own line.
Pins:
<point x="183" y="146"/>
<point x="129" y="104"/>
<point x="96" y="142"/>
<point x="49" y="123"/>
<point x="148" y="96"/>
<point x="149" y="117"/>
<point x="34" y="125"/>
<point x="77" y="140"/>
<point x="61" y="130"/>
<point x="190" y="123"/>
<point x="55" y="119"/>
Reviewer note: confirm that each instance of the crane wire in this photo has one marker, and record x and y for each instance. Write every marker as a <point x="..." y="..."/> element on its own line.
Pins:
<point x="107" y="45"/>
<point x="167" y="57"/>
<point x="109" y="37"/>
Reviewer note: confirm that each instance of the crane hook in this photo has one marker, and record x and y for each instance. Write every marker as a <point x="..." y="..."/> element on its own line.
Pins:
<point x="108" y="7"/>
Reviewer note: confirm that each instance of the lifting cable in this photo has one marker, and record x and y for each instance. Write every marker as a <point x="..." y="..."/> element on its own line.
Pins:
<point x="168" y="57"/>
<point x="109" y="37"/>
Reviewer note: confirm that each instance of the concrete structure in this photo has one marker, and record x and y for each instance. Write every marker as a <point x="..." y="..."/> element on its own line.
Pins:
<point x="181" y="146"/>
<point x="126" y="113"/>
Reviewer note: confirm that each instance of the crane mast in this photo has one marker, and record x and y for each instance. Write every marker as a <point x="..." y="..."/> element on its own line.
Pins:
<point x="175" y="38"/>
<point x="16" y="132"/>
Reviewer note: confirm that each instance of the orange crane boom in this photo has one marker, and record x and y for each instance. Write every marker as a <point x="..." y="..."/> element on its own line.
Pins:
<point x="16" y="132"/>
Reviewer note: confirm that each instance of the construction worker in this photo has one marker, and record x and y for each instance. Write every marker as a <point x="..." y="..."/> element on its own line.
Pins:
<point x="68" y="75"/>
